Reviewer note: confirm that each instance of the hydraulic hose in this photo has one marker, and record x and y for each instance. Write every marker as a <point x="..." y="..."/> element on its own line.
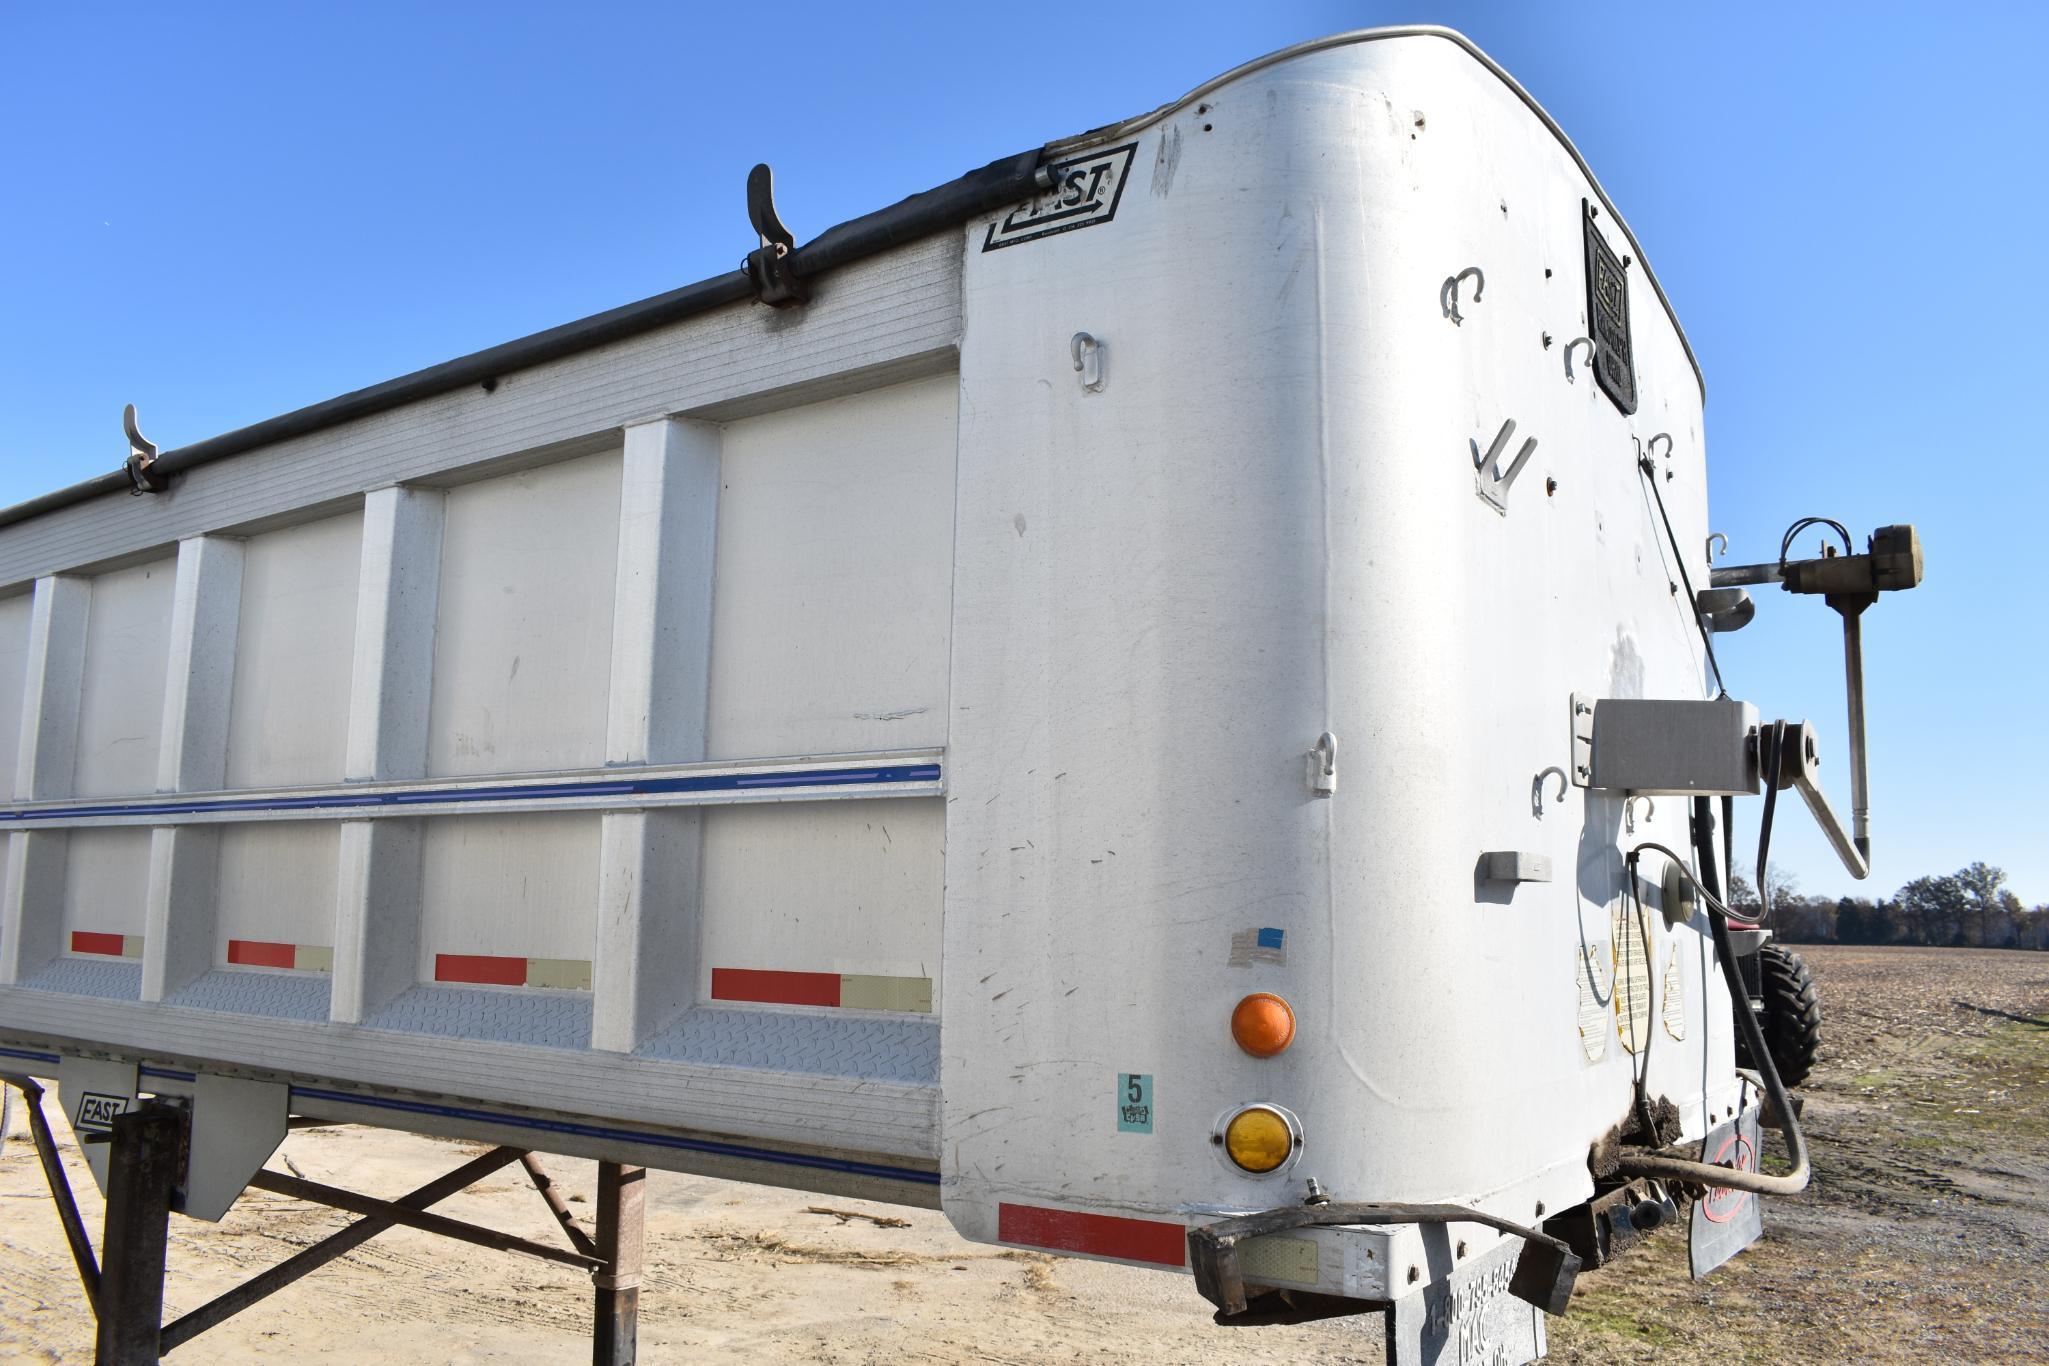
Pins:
<point x="1706" y="1173"/>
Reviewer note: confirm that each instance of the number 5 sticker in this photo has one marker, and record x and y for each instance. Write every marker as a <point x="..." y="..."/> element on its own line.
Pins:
<point x="1134" y="1103"/>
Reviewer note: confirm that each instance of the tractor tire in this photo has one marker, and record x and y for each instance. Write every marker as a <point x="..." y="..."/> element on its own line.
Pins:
<point x="1789" y="1015"/>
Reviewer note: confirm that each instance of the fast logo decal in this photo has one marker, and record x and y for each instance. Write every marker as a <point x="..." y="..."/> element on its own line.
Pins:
<point x="96" y="1112"/>
<point x="1083" y="192"/>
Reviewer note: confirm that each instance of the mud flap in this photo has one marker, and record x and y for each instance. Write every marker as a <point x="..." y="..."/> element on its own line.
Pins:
<point x="1727" y="1221"/>
<point x="1469" y="1315"/>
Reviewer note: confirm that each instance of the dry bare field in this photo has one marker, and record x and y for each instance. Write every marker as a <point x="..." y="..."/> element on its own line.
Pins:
<point x="1925" y="1238"/>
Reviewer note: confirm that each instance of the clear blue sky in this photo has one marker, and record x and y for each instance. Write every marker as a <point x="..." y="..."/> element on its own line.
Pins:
<point x="222" y="212"/>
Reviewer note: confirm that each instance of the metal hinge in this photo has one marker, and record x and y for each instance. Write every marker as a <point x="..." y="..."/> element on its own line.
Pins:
<point x="768" y="266"/>
<point x="142" y="457"/>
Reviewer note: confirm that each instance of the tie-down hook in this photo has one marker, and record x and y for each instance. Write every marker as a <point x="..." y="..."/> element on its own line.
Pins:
<point x="1447" y="295"/>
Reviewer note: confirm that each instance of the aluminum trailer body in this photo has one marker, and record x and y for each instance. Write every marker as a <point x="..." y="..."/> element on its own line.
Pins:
<point x="873" y="745"/>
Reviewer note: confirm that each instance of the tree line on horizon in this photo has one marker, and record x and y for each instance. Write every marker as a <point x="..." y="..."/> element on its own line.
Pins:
<point x="1970" y="908"/>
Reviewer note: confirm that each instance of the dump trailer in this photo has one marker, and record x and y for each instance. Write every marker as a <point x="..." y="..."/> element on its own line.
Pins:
<point x="1158" y="698"/>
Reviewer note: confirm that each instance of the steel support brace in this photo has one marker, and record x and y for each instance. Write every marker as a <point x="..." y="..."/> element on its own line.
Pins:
<point x="147" y="1156"/>
<point x="622" y="1199"/>
<point x="60" y="1190"/>
<point x="545" y="1184"/>
<point x="142" y="1177"/>
<point x="335" y="1245"/>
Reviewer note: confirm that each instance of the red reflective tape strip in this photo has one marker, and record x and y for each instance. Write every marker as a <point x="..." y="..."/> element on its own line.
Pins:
<point x="1100" y="1235"/>
<point x="257" y="953"/>
<point x="482" y="968"/>
<point x="85" y="941"/>
<point x="779" y="988"/>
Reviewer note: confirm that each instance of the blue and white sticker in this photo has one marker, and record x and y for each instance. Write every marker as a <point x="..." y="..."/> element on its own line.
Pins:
<point x="1264" y="945"/>
<point x="1134" y="1103"/>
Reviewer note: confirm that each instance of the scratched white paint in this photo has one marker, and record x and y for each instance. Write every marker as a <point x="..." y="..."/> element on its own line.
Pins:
<point x="851" y="887"/>
<point x="258" y="860"/>
<point x="106" y="882"/>
<point x="835" y="576"/>
<point x="1264" y="527"/>
<point x="121" y="704"/>
<point x="523" y="651"/>
<point x="897" y="519"/>
<point x="512" y="886"/>
<point x="289" y="720"/>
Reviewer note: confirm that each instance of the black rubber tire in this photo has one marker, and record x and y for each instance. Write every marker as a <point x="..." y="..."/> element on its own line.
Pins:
<point x="1790" y="1018"/>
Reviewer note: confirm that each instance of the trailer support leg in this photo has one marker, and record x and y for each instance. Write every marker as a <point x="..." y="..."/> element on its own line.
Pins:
<point x="142" y="1176"/>
<point x="622" y="1195"/>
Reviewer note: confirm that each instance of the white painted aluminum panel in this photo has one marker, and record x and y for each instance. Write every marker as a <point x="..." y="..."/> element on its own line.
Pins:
<point x="877" y="321"/>
<point x="1263" y="526"/>
<point x="834" y="575"/>
<point x="1126" y="612"/>
<point x="834" y="887"/>
<point x="288" y="722"/>
<point x="512" y="886"/>
<point x="120" y="708"/>
<point x="523" y="651"/>
<point x="106" y="883"/>
<point x="277" y="885"/>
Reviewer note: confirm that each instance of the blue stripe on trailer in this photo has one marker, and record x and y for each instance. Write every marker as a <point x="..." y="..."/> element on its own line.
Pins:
<point x="30" y="1055"/>
<point x="692" y="1145"/>
<point x="625" y="787"/>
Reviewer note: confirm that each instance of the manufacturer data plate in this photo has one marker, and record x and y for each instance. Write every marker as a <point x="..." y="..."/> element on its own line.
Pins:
<point x="1608" y="314"/>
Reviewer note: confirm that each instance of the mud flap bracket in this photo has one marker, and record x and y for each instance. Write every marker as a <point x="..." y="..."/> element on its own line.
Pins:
<point x="1544" y="1270"/>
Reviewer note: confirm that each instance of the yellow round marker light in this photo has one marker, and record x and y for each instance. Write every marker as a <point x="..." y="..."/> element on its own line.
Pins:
<point x="1263" y="1024"/>
<point x="1258" y="1139"/>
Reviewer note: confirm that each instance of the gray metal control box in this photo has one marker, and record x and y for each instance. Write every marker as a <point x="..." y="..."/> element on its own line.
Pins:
<point x="1679" y="747"/>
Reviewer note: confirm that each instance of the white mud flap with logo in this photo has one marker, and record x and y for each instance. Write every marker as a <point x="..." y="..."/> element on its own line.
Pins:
<point x="236" y="1125"/>
<point x="93" y="1091"/>
<point x="1726" y="1221"/>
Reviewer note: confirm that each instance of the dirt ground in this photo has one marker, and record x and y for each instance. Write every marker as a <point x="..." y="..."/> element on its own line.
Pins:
<point x="1924" y="1238"/>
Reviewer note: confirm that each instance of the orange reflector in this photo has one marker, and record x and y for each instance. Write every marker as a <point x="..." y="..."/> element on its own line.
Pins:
<point x="1263" y="1024"/>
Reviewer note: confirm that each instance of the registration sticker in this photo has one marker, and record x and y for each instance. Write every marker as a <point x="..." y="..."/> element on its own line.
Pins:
<point x="1134" y="1103"/>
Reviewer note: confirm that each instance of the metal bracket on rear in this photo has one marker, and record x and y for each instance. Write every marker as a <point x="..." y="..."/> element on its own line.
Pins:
<point x="1489" y="478"/>
<point x="768" y="266"/>
<point x="1582" y="740"/>
<point x="1542" y="1274"/>
<point x="1447" y="293"/>
<point x="142" y="457"/>
<point x="1323" y="766"/>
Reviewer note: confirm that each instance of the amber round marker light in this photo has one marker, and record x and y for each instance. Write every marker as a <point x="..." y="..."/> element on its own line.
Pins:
<point x="1263" y="1024"/>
